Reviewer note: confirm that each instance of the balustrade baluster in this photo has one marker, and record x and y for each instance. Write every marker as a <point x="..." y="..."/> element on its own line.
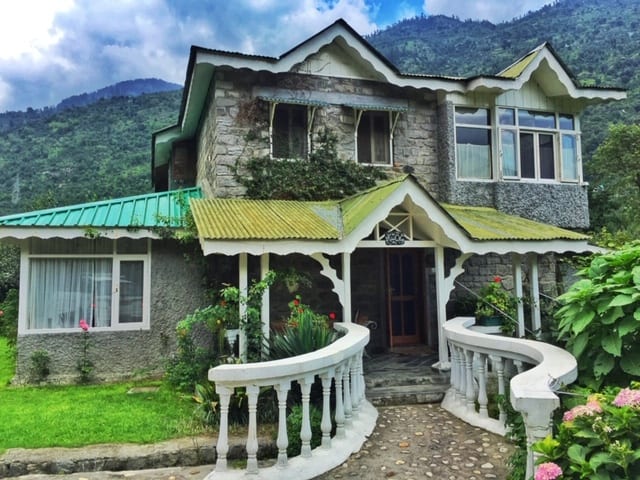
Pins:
<point x="455" y="382"/>
<point x="470" y="393"/>
<point x="339" y="416"/>
<point x="499" y="368"/>
<point x="222" y="447"/>
<point x="305" y="431"/>
<point x="282" y="389"/>
<point x="346" y="383"/>
<point x="252" y="435"/>
<point x="325" y="424"/>
<point x="482" y="384"/>
<point x="355" y="388"/>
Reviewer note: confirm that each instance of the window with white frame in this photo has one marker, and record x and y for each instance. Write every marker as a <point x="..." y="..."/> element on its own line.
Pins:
<point x="373" y="137"/>
<point x="289" y="133"/>
<point x="473" y="143"/>
<point x="104" y="282"/>
<point x="538" y="145"/>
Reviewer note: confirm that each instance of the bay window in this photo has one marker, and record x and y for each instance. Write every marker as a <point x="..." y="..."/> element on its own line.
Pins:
<point x="104" y="282"/>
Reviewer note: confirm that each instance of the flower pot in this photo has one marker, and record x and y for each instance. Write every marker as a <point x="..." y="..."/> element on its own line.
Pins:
<point x="490" y="321"/>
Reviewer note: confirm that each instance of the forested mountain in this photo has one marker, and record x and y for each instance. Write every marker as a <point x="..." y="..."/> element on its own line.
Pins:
<point x="59" y="156"/>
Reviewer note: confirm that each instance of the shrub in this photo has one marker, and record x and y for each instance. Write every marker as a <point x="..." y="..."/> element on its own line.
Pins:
<point x="597" y="439"/>
<point x="600" y="318"/>
<point x="294" y="425"/>
<point x="9" y="317"/>
<point x="40" y="365"/>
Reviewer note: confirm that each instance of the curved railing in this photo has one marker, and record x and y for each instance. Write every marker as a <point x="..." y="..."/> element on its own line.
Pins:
<point x="534" y="368"/>
<point x="339" y="366"/>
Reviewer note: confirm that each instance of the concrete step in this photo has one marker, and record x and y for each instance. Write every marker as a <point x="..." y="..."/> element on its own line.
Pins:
<point x="406" y="394"/>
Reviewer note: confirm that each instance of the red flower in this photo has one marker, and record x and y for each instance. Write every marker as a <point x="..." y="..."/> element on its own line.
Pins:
<point x="296" y="302"/>
<point x="84" y="325"/>
<point x="332" y="316"/>
<point x="497" y="279"/>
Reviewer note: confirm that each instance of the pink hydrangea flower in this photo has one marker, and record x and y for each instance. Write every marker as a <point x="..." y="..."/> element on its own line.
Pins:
<point x="548" y="471"/>
<point x="629" y="397"/>
<point x="591" y="408"/>
<point x="84" y="325"/>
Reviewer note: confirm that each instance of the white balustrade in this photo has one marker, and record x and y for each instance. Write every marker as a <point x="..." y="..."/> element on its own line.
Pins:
<point x="476" y="357"/>
<point x="339" y="367"/>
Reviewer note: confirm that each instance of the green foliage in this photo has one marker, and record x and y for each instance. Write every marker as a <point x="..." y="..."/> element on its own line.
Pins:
<point x="496" y="301"/>
<point x="615" y="189"/>
<point x="40" y="365"/>
<point x="306" y="331"/>
<point x="9" y="317"/>
<point x="7" y="362"/>
<point x="9" y="268"/>
<point x="599" y="439"/>
<point x="600" y="318"/>
<point x="74" y="415"/>
<point x="517" y="433"/>
<point x="322" y="176"/>
<point x="294" y="425"/>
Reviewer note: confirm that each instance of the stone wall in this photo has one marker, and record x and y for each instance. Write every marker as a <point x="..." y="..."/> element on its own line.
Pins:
<point x="175" y="291"/>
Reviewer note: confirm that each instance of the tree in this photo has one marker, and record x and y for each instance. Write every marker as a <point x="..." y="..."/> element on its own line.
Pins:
<point x="614" y="174"/>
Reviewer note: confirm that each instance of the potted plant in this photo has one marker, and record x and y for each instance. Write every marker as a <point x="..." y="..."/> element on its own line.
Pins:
<point x="495" y="305"/>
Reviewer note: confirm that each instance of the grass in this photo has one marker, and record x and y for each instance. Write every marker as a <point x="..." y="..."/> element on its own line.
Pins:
<point x="74" y="415"/>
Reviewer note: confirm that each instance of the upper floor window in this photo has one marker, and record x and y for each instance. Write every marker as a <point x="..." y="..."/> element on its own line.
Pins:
<point x="538" y="145"/>
<point x="103" y="282"/>
<point x="289" y="132"/>
<point x="473" y="142"/>
<point x="373" y="137"/>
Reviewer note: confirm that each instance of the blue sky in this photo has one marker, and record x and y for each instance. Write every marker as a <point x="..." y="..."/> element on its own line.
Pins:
<point x="52" y="49"/>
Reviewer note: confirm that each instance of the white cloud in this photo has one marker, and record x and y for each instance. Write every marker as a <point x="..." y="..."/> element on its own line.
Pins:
<point x="495" y="11"/>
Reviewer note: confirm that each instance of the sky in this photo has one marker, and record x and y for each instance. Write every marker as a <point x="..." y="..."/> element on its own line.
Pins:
<point x="52" y="49"/>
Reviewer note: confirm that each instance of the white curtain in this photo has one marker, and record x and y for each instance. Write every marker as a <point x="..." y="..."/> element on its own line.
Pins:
<point x="64" y="291"/>
<point x="474" y="161"/>
<point x="569" y="158"/>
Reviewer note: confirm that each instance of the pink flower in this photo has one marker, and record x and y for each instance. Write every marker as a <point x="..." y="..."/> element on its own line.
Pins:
<point x="548" y="471"/>
<point x="332" y="316"/>
<point x="1" y="313"/>
<point x="627" y="397"/>
<point x="591" y="408"/>
<point x="84" y="325"/>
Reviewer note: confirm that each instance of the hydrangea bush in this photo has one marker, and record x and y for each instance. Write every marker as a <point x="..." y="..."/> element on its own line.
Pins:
<point x="597" y="440"/>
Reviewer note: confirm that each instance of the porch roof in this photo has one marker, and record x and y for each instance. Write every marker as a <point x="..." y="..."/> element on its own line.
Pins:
<point x="234" y="226"/>
<point x="128" y="216"/>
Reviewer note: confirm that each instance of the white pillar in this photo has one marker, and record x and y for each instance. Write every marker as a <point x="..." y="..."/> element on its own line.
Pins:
<point x="243" y="286"/>
<point x="264" y="312"/>
<point x="536" y="323"/>
<point x="442" y="296"/>
<point x="516" y="262"/>
<point x="346" y="278"/>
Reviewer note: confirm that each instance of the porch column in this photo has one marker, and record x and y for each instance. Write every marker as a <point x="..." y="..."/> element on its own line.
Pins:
<point x="536" y="323"/>
<point x="243" y="286"/>
<point x="442" y="295"/>
<point x="264" y="312"/>
<point x="516" y="262"/>
<point x="346" y="278"/>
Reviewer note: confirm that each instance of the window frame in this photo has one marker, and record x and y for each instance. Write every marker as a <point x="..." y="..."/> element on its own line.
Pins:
<point x="306" y="137"/>
<point x="369" y="117"/>
<point x="488" y="128"/>
<point x="557" y="134"/>
<point x="27" y="256"/>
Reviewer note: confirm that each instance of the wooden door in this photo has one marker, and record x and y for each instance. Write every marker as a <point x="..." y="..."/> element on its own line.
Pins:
<point x="405" y="299"/>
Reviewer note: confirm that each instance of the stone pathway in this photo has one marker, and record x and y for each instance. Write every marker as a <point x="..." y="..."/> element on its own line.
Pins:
<point x="409" y="442"/>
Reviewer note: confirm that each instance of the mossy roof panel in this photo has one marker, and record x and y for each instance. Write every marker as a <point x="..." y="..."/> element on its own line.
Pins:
<point x="514" y="70"/>
<point x="242" y="219"/>
<point x="160" y="209"/>
<point x="483" y="223"/>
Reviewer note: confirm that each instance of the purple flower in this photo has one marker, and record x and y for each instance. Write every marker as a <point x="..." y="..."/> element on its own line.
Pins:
<point x="548" y="471"/>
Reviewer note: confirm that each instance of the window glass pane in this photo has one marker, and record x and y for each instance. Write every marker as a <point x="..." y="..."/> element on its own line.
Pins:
<point x="529" y="118"/>
<point x="507" y="116"/>
<point x="509" y="156"/>
<point x="64" y="291"/>
<point x="472" y="116"/>
<point x="290" y="131"/>
<point x="373" y="138"/>
<point x="131" y="282"/>
<point x="473" y="152"/>
<point x="547" y="158"/>
<point x="569" y="158"/>
<point x="566" y="122"/>
<point x="527" y="156"/>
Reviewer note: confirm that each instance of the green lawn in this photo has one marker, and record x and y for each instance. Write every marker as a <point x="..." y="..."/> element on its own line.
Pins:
<point x="72" y="416"/>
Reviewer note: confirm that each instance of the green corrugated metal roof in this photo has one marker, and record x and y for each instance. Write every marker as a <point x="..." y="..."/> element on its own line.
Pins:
<point x="483" y="223"/>
<point x="242" y="219"/>
<point x="141" y="211"/>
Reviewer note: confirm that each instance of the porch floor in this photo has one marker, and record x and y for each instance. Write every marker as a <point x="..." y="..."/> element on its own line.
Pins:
<point x="404" y="376"/>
